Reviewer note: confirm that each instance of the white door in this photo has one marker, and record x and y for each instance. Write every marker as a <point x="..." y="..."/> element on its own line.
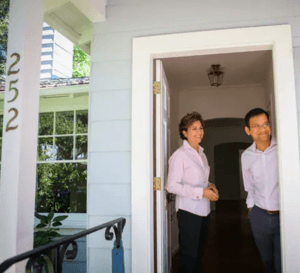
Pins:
<point x="162" y="155"/>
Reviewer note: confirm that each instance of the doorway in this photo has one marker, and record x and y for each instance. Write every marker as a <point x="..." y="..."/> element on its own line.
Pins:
<point x="247" y="84"/>
<point x="203" y="43"/>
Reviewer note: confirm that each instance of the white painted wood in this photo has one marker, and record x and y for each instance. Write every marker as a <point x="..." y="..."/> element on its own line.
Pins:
<point x="194" y="15"/>
<point x="115" y="46"/>
<point x="111" y="105"/>
<point x="102" y="168"/>
<point x="110" y="136"/>
<point x="18" y="172"/>
<point x="111" y="76"/>
<point x="161" y="159"/>
<point x="277" y="38"/>
<point x="117" y="204"/>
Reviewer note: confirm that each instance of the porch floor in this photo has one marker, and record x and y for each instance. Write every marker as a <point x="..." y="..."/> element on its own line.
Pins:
<point x="230" y="246"/>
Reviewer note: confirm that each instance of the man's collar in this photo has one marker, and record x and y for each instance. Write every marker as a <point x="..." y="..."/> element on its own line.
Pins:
<point x="272" y="143"/>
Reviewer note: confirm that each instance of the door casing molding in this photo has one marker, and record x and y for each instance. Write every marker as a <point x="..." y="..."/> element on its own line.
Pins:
<point x="145" y="50"/>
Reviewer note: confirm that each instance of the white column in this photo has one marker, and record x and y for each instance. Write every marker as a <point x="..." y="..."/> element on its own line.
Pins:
<point x="18" y="172"/>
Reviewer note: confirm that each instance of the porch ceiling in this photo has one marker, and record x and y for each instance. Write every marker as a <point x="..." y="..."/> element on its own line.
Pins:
<point x="74" y="19"/>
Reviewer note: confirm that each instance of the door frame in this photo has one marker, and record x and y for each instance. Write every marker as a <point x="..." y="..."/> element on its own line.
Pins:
<point x="145" y="50"/>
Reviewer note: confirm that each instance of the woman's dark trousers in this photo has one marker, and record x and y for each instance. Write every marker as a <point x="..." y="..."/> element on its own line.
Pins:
<point x="192" y="237"/>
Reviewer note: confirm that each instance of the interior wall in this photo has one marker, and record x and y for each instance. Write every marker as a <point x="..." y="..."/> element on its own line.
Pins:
<point x="218" y="102"/>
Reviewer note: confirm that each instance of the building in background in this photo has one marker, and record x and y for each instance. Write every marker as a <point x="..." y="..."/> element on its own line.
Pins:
<point x="57" y="54"/>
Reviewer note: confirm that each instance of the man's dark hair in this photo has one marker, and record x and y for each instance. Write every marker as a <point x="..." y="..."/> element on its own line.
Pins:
<point x="253" y="113"/>
<point x="187" y="121"/>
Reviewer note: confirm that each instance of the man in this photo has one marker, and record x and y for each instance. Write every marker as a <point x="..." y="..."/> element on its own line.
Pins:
<point x="259" y="164"/>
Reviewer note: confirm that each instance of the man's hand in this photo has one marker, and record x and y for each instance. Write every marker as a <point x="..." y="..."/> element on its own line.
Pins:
<point x="249" y="209"/>
<point x="210" y="194"/>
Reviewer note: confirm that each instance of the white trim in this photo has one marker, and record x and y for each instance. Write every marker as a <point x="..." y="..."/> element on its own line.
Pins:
<point x="56" y="91"/>
<point x="145" y="49"/>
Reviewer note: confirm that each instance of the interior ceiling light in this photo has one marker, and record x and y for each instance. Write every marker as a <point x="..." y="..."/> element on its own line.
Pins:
<point x="215" y="76"/>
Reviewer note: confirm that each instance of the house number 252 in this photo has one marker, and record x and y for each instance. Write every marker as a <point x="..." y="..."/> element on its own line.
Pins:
<point x="12" y="88"/>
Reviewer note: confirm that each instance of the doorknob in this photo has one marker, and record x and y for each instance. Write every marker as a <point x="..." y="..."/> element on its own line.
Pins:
<point x="170" y="197"/>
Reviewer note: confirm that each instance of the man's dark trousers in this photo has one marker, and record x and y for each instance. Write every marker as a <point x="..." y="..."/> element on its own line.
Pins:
<point x="266" y="232"/>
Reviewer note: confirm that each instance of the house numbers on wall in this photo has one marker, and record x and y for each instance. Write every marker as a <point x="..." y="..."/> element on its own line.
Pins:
<point x="11" y="71"/>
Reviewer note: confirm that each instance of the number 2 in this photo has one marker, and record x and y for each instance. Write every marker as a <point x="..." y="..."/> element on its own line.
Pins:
<point x="8" y="128"/>
<point x="10" y="72"/>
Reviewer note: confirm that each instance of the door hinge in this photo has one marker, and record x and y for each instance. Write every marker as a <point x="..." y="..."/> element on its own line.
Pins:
<point x="156" y="88"/>
<point x="157" y="184"/>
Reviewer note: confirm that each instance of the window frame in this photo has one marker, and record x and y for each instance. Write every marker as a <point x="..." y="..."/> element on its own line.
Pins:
<point x="74" y="220"/>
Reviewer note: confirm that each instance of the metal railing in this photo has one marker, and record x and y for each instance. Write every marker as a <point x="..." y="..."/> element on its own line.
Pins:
<point x="38" y="258"/>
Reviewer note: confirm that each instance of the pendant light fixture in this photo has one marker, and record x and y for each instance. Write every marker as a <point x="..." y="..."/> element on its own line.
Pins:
<point x="215" y="76"/>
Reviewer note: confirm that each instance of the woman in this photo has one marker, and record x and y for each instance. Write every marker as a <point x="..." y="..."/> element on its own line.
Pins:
<point x="188" y="179"/>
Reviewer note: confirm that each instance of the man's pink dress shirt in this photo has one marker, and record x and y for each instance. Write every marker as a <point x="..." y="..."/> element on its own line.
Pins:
<point x="260" y="176"/>
<point x="188" y="175"/>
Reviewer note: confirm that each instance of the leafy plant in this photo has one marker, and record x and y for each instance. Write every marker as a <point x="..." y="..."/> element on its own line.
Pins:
<point x="81" y="63"/>
<point x="49" y="228"/>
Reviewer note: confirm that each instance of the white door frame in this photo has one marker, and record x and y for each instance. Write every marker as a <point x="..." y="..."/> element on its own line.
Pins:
<point x="145" y="49"/>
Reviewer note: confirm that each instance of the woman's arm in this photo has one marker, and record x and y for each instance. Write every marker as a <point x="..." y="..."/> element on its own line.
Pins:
<point x="175" y="175"/>
<point x="175" y="185"/>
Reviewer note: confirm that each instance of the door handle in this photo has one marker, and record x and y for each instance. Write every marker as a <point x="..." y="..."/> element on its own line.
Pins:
<point x="170" y="197"/>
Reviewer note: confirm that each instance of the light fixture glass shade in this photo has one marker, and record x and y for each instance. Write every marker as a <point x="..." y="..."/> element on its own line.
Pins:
<point x="215" y="76"/>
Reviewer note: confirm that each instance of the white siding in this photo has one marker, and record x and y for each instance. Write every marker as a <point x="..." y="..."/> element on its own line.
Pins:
<point x="111" y="72"/>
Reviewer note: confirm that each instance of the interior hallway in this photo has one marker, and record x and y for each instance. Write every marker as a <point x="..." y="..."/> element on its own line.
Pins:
<point x="230" y="246"/>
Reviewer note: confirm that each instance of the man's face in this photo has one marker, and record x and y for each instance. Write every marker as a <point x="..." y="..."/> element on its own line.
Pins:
<point x="260" y="129"/>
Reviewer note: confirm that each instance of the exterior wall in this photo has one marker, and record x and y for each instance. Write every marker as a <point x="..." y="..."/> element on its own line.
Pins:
<point x="110" y="91"/>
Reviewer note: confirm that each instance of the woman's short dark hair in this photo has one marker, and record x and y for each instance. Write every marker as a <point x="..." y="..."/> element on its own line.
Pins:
<point x="253" y="113"/>
<point x="187" y="121"/>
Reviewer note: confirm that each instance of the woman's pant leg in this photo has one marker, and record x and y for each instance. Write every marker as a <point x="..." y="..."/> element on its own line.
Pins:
<point x="191" y="239"/>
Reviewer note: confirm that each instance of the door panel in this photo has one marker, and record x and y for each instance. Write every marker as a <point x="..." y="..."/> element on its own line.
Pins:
<point x="162" y="131"/>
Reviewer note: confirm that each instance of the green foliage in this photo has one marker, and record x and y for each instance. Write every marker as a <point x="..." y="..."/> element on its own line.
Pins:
<point x="4" y="13"/>
<point x="81" y="63"/>
<point x="61" y="187"/>
<point x="47" y="229"/>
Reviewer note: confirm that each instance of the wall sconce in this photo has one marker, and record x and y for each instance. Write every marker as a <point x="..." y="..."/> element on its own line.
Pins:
<point x="215" y="76"/>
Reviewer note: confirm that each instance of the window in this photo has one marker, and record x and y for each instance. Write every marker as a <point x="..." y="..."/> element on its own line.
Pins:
<point x="62" y="162"/>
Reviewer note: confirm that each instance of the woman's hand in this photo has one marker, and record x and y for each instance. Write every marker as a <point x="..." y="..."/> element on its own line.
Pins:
<point x="214" y="189"/>
<point x="210" y="194"/>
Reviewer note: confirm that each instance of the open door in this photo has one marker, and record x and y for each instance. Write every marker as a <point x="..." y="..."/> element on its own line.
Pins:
<point x="162" y="153"/>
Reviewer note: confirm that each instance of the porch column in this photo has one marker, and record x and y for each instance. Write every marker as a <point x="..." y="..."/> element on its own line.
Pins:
<point x="20" y="125"/>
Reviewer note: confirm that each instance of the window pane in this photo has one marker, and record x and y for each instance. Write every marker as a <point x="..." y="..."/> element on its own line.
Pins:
<point x="61" y="187"/>
<point x="46" y="124"/>
<point x="81" y="121"/>
<point x="81" y="147"/>
<point x="64" y="148"/>
<point x="64" y="123"/>
<point x="45" y="149"/>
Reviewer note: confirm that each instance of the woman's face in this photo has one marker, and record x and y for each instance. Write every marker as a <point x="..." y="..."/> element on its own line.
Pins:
<point x="194" y="133"/>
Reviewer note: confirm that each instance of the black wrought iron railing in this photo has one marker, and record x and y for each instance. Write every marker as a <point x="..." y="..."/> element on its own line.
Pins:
<point x="51" y="256"/>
